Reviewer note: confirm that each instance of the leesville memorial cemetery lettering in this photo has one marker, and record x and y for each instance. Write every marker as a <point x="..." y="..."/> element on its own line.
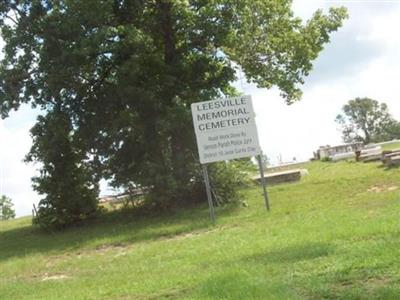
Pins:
<point x="225" y="129"/>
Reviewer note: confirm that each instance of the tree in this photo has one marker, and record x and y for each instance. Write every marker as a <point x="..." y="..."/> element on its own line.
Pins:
<point x="65" y="178"/>
<point x="126" y="72"/>
<point x="6" y="208"/>
<point x="366" y="120"/>
<point x="392" y="131"/>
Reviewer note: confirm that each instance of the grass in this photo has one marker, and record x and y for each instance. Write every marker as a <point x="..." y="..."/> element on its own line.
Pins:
<point x="333" y="235"/>
<point x="391" y="146"/>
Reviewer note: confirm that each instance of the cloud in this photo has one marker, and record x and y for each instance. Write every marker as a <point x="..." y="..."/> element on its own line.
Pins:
<point x="363" y="37"/>
<point x="15" y="174"/>
<point x="15" y="142"/>
<point x="299" y="129"/>
<point x="361" y="61"/>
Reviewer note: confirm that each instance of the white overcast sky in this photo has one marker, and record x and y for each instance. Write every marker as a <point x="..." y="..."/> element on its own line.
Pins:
<point x="361" y="60"/>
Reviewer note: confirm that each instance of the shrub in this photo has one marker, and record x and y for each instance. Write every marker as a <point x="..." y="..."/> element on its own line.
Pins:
<point x="227" y="178"/>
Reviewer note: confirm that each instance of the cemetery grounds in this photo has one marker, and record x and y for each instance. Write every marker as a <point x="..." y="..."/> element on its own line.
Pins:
<point x="334" y="234"/>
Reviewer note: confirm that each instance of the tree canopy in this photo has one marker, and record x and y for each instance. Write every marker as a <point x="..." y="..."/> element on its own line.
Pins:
<point x="123" y="73"/>
<point x="368" y="121"/>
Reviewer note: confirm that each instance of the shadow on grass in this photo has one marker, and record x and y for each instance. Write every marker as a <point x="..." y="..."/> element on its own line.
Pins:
<point x="118" y="227"/>
<point x="235" y="285"/>
<point x="251" y="281"/>
<point x="390" y="168"/>
<point x="351" y="284"/>
<point x="292" y="254"/>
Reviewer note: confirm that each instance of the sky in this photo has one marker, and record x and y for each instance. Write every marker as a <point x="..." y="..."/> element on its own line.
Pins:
<point x="362" y="60"/>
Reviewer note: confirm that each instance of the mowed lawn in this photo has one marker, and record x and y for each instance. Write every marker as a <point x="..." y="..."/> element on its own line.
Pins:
<point x="391" y="146"/>
<point x="335" y="234"/>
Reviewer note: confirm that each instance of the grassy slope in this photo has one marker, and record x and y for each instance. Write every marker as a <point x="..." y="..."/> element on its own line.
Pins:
<point x="335" y="234"/>
<point x="391" y="146"/>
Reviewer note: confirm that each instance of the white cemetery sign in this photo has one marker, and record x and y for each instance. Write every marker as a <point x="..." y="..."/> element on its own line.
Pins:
<point x="225" y="129"/>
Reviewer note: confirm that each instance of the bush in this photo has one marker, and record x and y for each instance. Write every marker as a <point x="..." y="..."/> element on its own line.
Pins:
<point x="326" y="159"/>
<point x="6" y="208"/>
<point x="227" y="178"/>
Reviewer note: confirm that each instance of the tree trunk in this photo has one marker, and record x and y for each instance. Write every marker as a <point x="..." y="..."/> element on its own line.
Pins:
<point x="178" y="159"/>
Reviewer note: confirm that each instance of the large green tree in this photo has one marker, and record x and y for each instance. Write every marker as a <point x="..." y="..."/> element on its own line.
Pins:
<point x="126" y="71"/>
<point x="368" y="121"/>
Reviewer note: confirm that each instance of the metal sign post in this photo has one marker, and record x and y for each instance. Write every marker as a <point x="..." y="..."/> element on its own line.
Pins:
<point x="263" y="181"/>
<point x="208" y="190"/>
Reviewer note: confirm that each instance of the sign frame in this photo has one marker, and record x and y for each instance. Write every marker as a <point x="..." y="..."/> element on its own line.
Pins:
<point x="225" y="129"/>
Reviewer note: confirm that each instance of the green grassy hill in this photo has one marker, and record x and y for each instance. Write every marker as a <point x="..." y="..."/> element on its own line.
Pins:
<point x="335" y="234"/>
<point x="391" y="146"/>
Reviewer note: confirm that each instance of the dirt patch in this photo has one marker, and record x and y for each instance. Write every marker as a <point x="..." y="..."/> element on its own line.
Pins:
<point x="368" y="284"/>
<point x="55" y="259"/>
<point x="49" y="277"/>
<point x="116" y="249"/>
<point x="110" y="247"/>
<point x="382" y="188"/>
<point x="169" y="294"/>
<point x="377" y="282"/>
<point x="339" y="289"/>
<point x="104" y="249"/>
<point x="44" y="276"/>
<point x="179" y="236"/>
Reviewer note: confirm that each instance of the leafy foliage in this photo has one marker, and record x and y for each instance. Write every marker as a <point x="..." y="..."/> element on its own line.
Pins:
<point x="366" y="120"/>
<point x="6" y="208"/>
<point x="227" y="178"/>
<point x="65" y="178"/>
<point x="125" y="74"/>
